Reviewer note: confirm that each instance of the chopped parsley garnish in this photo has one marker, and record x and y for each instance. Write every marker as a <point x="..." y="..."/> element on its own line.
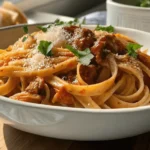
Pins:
<point x="83" y="56"/>
<point x="132" y="48"/>
<point x="43" y="28"/>
<point x="108" y="28"/>
<point x="24" y="38"/>
<point x="76" y="20"/>
<point x="25" y="29"/>
<point x="58" y="22"/>
<point x="73" y="22"/>
<point x="45" y="48"/>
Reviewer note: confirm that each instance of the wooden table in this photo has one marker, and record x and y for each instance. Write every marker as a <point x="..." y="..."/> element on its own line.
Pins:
<point x="13" y="139"/>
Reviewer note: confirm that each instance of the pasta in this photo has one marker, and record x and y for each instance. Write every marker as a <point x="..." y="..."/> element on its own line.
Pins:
<point x="76" y="67"/>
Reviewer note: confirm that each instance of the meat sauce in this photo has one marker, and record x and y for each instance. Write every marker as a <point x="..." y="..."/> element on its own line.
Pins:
<point x="89" y="73"/>
<point x="70" y="77"/>
<point x="82" y="38"/>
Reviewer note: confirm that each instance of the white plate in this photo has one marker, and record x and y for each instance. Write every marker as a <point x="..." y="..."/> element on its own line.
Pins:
<point x="74" y="123"/>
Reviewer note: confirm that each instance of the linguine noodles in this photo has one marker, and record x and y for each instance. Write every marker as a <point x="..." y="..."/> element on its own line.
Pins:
<point x="76" y="67"/>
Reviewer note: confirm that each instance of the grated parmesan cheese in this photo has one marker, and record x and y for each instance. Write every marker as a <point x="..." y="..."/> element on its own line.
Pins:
<point x="55" y="34"/>
<point x="38" y="61"/>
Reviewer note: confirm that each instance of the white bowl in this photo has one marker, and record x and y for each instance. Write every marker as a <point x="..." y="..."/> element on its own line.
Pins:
<point x="123" y="15"/>
<point x="74" y="123"/>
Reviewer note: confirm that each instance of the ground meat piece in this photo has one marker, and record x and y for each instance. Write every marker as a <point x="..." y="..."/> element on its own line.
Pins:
<point x="27" y="97"/>
<point x="89" y="73"/>
<point x="105" y="44"/>
<point x="63" y="97"/>
<point x="71" y="29"/>
<point x="98" y="48"/>
<point x="86" y="39"/>
<point x="81" y="38"/>
<point x="35" y="86"/>
<point x="70" y="76"/>
<point x="115" y="45"/>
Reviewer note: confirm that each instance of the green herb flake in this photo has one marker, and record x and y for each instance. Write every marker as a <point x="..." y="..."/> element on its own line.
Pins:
<point x="76" y="20"/>
<point x="25" y="29"/>
<point x="57" y="22"/>
<point x="72" y="22"/>
<point x="132" y="48"/>
<point x="83" y="56"/>
<point x="44" y="29"/>
<point x="108" y="28"/>
<point x="24" y="38"/>
<point x="45" y="48"/>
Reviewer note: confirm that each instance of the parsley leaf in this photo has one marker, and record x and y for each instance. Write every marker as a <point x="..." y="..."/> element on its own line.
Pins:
<point x="132" y="48"/>
<point x="84" y="56"/>
<point x="44" y="29"/>
<point x="108" y="28"/>
<point x="57" y="22"/>
<point x="76" y="20"/>
<point x="24" y="38"/>
<point x="73" y="22"/>
<point x="25" y="29"/>
<point x="45" y="48"/>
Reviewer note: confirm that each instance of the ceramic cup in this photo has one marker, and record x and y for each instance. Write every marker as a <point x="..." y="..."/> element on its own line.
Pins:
<point x="125" y="13"/>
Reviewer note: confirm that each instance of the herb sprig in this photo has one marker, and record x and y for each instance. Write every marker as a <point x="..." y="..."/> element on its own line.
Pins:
<point x="84" y="56"/>
<point x="108" y="28"/>
<point x="45" y="47"/>
<point x="26" y="30"/>
<point x="44" y="29"/>
<point x="132" y="49"/>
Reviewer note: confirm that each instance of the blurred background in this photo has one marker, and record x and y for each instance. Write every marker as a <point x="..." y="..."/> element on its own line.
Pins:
<point x="49" y="10"/>
<point x="64" y="7"/>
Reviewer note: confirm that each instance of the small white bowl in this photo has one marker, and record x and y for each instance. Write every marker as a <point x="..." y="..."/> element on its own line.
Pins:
<point x="126" y="14"/>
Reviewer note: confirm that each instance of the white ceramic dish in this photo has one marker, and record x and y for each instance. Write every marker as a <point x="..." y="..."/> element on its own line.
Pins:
<point x="121" y="14"/>
<point x="74" y="123"/>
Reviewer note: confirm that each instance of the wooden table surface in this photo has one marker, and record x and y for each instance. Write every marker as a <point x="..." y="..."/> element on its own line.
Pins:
<point x="13" y="139"/>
